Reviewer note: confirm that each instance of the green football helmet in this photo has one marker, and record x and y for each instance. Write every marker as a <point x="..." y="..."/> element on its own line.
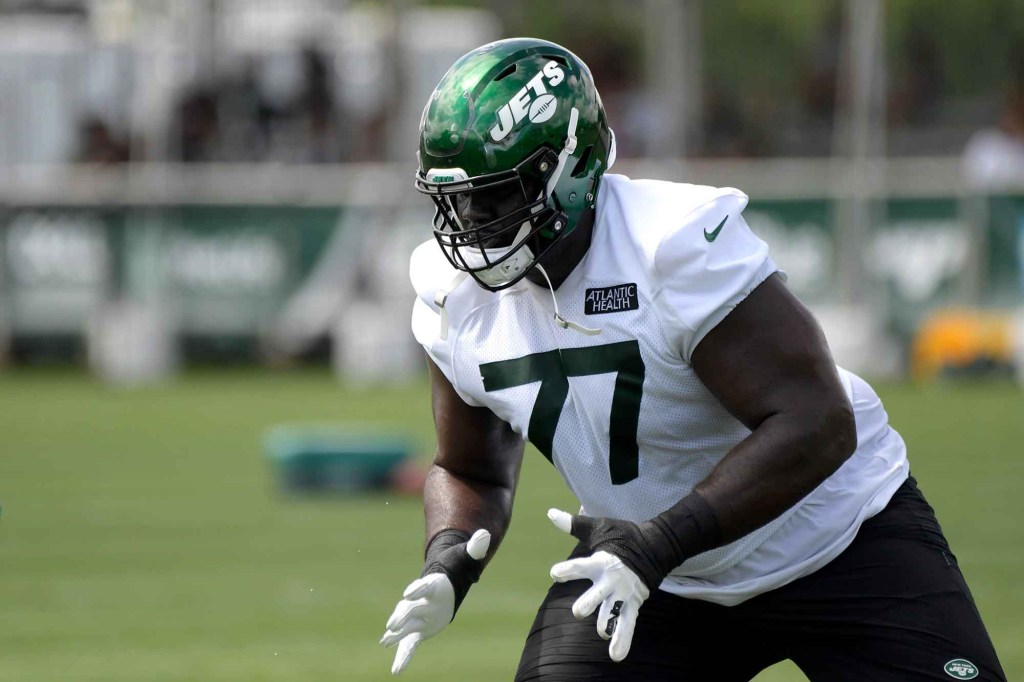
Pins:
<point x="513" y="143"/>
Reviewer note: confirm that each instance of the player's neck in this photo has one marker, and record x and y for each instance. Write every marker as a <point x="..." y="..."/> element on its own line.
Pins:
<point x="562" y="258"/>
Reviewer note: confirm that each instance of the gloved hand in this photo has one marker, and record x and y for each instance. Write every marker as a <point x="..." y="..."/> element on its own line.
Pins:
<point x="621" y="569"/>
<point x="429" y="603"/>
<point x="630" y="560"/>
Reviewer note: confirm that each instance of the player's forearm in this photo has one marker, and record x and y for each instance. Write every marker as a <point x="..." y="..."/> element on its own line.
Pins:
<point x="455" y="501"/>
<point x="778" y="464"/>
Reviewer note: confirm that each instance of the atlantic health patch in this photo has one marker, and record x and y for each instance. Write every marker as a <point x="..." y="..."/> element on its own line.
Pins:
<point x="615" y="299"/>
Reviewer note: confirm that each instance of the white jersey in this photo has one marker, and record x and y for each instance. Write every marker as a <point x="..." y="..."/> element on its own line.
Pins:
<point x="622" y="414"/>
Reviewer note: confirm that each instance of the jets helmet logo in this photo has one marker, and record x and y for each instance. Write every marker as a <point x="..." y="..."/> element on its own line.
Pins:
<point x="532" y="101"/>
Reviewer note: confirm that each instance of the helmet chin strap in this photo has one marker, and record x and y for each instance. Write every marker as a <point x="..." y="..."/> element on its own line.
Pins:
<point x="563" y="157"/>
<point x="559" y="320"/>
<point x="567" y="150"/>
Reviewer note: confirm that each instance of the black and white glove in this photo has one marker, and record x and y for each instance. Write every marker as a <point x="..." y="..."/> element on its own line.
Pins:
<point x="454" y="562"/>
<point x="629" y="561"/>
<point x="621" y="570"/>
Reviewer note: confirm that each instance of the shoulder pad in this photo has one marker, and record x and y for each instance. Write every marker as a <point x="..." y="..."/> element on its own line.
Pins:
<point x="656" y="210"/>
<point x="430" y="272"/>
<point x="708" y="264"/>
<point x="711" y="204"/>
<point x="711" y="231"/>
<point x="443" y="296"/>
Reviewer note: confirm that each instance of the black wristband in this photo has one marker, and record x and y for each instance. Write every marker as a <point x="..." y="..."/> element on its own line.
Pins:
<point x="684" y="530"/>
<point x="446" y="553"/>
<point x="654" y="548"/>
<point x="443" y="540"/>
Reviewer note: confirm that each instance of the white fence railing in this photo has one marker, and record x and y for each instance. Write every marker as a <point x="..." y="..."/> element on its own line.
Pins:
<point x="279" y="252"/>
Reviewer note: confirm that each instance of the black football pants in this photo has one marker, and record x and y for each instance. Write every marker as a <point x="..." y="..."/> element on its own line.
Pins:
<point x="893" y="606"/>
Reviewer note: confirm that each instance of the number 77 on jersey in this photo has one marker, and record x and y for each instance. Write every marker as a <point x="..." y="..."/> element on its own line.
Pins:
<point x="553" y="368"/>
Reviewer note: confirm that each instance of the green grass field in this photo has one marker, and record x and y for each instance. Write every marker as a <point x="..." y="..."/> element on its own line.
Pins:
<point x="142" y="538"/>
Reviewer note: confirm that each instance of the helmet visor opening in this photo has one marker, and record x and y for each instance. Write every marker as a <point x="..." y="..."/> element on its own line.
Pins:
<point x="488" y="225"/>
<point x="487" y="212"/>
<point x="491" y="216"/>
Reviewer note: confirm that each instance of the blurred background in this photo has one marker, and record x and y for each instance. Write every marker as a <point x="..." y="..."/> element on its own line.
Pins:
<point x="213" y="417"/>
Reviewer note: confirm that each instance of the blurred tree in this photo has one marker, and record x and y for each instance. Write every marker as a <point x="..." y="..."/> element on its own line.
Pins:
<point x="768" y="66"/>
<point x="973" y="38"/>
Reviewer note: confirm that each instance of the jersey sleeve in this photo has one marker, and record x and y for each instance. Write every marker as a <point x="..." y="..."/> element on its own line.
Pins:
<point x="706" y="267"/>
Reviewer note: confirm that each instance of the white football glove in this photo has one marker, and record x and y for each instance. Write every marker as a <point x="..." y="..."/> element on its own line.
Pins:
<point x="427" y="606"/>
<point x="617" y="590"/>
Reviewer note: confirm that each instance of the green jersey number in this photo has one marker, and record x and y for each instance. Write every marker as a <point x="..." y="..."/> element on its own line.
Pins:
<point x="553" y="368"/>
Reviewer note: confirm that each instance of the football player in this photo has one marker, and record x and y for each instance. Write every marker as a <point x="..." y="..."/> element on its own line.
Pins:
<point x="744" y="500"/>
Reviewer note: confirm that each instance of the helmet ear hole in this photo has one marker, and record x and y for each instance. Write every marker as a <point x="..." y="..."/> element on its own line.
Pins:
<point x="506" y="72"/>
<point x="559" y="59"/>
<point x="580" y="169"/>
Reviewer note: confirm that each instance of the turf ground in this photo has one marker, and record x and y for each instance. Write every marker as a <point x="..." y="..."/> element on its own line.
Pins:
<point x="142" y="538"/>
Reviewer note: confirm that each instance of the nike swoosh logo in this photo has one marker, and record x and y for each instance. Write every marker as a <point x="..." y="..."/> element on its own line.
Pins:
<point x="712" y="236"/>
